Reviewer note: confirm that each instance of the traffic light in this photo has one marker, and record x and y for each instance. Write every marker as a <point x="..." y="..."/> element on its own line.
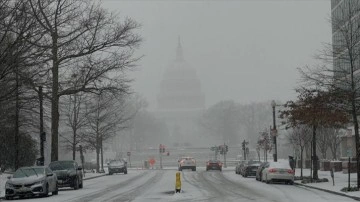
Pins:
<point x="226" y="148"/>
<point x="243" y="145"/>
<point x="163" y="149"/>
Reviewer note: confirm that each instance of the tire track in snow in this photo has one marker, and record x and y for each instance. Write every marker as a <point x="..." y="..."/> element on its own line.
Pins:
<point x="131" y="194"/>
<point x="99" y="193"/>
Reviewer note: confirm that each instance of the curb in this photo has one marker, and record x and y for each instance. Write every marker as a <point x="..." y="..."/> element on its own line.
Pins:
<point x="329" y="191"/>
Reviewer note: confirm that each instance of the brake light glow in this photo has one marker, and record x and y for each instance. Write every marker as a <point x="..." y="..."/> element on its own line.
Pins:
<point x="291" y="171"/>
<point x="272" y="170"/>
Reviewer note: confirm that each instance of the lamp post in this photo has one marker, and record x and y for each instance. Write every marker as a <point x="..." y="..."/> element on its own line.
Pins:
<point x="273" y="104"/>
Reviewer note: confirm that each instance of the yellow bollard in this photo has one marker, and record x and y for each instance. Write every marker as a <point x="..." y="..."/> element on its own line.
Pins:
<point x="178" y="183"/>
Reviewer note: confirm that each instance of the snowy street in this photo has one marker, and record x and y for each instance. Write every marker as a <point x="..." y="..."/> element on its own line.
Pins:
<point x="158" y="185"/>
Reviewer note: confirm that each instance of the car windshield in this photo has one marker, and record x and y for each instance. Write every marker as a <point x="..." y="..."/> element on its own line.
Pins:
<point x="28" y="172"/>
<point x="116" y="163"/>
<point x="62" y="165"/>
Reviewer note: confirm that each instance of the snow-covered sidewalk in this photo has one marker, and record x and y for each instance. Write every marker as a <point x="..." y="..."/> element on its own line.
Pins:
<point x="340" y="179"/>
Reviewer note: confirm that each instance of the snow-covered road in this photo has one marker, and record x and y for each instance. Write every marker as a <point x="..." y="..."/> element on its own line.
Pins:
<point x="158" y="185"/>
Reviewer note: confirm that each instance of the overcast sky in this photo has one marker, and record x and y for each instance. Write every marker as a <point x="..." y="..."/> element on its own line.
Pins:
<point x="243" y="50"/>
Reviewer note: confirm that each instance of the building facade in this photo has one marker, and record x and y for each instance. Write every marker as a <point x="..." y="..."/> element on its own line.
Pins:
<point x="345" y="18"/>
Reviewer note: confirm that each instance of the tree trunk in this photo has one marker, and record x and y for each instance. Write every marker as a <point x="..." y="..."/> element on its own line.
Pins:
<point x="55" y="102"/>
<point x="315" y="159"/>
<point x="74" y="126"/>
<point x="97" y="159"/>
<point x="356" y="129"/>
<point x="97" y="153"/>
<point x="301" y="161"/>
<point x="102" y="155"/>
<point x="74" y="145"/>
<point x="17" y="131"/>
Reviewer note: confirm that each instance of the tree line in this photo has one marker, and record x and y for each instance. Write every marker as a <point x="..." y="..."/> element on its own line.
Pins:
<point x="78" y="53"/>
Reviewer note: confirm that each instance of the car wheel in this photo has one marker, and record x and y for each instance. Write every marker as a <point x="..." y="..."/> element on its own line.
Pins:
<point x="56" y="192"/>
<point x="125" y="172"/>
<point x="110" y="173"/>
<point x="194" y="169"/>
<point x="8" y="198"/>
<point x="76" y="183"/>
<point x="291" y="182"/>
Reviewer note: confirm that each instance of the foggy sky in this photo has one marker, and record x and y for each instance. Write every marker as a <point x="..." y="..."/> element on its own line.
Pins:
<point x="242" y="50"/>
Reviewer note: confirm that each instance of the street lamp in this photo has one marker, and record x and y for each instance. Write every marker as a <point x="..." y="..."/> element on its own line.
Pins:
<point x="273" y="104"/>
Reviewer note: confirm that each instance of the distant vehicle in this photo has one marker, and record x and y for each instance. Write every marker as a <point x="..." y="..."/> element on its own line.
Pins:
<point x="187" y="163"/>
<point x="117" y="166"/>
<point x="278" y="172"/>
<point x="239" y="166"/>
<point x="31" y="181"/>
<point x="213" y="165"/>
<point x="69" y="174"/>
<point x="261" y="167"/>
<point x="250" y="169"/>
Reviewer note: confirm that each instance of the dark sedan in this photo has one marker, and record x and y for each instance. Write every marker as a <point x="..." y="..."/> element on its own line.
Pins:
<point x="213" y="165"/>
<point x="69" y="174"/>
<point x="250" y="169"/>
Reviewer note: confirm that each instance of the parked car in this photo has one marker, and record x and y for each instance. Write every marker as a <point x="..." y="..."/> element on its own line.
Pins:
<point x="250" y="169"/>
<point x="117" y="166"/>
<point x="261" y="167"/>
<point x="187" y="163"/>
<point x="69" y="174"/>
<point x="239" y="166"/>
<point x="213" y="165"/>
<point x="246" y="163"/>
<point x="31" y="181"/>
<point x="278" y="172"/>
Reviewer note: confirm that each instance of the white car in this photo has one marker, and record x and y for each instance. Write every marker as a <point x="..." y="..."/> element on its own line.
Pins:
<point x="278" y="172"/>
<point x="187" y="163"/>
<point x="31" y="181"/>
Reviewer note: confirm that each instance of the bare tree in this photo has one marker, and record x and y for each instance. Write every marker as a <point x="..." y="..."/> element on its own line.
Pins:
<point x="75" y="119"/>
<point x="334" y="141"/>
<point x="299" y="137"/>
<point x="323" y="141"/>
<point x="105" y="117"/>
<point x="264" y="142"/>
<point x="80" y="37"/>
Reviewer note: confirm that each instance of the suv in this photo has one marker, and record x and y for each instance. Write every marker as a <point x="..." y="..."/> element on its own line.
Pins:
<point x="117" y="166"/>
<point x="69" y="173"/>
<point x="187" y="163"/>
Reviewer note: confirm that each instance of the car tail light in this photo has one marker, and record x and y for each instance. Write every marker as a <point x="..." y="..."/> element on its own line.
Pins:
<point x="291" y="171"/>
<point x="272" y="170"/>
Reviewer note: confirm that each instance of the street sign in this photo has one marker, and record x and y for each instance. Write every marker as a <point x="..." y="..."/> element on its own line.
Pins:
<point x="128" y="153"/>
<point x="349" y="152"/>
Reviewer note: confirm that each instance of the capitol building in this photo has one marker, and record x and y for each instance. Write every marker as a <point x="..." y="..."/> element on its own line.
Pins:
<point x="181" y="102"/>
